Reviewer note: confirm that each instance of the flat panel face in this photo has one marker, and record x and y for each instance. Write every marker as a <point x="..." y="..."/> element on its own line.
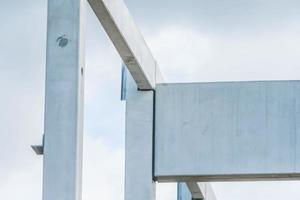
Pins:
<point x="139" y="182"/>
<point x="222" y="131"/>
<point x="63" y="127"/>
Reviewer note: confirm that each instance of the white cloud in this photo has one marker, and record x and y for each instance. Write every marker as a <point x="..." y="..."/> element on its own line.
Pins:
<point x="23" y="182"/>
<point x="103" y="170"/>
<point x="186" y="54"/>
<point x="258" y="190"/>
<point x="180" y="51"/>
<point x="166" y="191"/>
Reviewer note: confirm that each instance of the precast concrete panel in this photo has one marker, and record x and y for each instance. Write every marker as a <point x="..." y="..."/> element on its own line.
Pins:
<point x="227" y="131"/>
<point x="64" y="100"/>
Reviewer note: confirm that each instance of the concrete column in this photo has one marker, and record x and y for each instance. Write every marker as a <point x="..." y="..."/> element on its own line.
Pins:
<point x="139" y="182"/>
<point x="64" y="101"/>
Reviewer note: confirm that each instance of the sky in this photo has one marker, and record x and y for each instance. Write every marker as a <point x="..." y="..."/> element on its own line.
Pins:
<point x="192" y="40"/>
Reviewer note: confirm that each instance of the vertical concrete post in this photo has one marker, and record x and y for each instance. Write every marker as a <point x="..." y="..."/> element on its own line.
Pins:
<point x="139" y="182"/>
<point x="64" y="101"/>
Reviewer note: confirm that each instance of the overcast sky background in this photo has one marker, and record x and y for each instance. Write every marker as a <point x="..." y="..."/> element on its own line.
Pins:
<point x="192" y="40"/>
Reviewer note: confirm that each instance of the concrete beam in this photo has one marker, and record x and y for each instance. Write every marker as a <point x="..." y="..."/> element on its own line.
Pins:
<point x="195" y="190"/>
<point x="139" y="183"/>
<point x="64" y="101"/>
<point x="129" y="42"/>
<point x="227" y="131"/>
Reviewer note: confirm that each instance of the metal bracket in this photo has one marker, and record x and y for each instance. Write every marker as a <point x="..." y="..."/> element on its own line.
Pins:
<point x="39" y="149"/>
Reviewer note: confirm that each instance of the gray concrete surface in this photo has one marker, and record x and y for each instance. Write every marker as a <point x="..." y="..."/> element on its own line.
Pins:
<point x="64" y="101"/>
<point x="129" y="42"/>
<point x="139" y="182"/>
<point x="227" y="131"/>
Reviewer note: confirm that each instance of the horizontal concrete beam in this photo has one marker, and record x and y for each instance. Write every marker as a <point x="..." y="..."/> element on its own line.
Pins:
<point x="129" y="42"/>
<point x="195" y="191"/>
<point x="227" y="131"/>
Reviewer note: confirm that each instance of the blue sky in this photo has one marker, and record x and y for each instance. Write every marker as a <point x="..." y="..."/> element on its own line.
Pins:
<point x="192" y="40"/>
